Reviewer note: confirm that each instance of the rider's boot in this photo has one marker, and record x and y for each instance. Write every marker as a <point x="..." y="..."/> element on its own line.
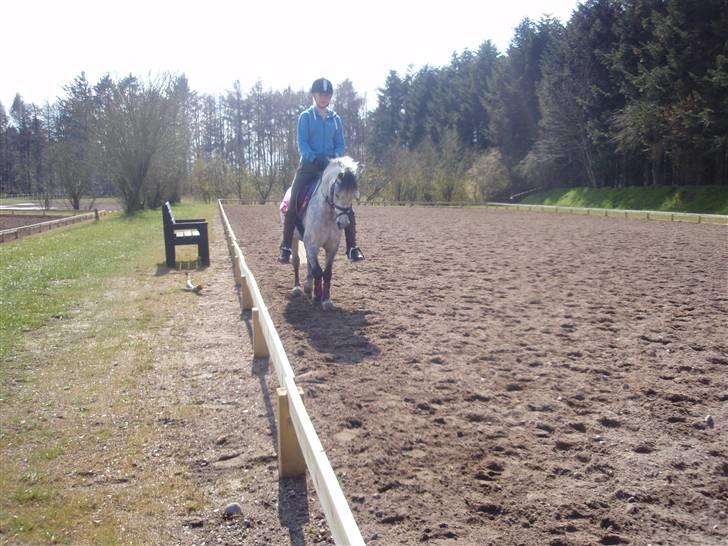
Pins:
<point x="289" y="224"/>
<point x="352" y="251"/>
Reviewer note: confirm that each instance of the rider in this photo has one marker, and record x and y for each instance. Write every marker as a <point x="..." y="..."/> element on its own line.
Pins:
<point x="320" y="137"/>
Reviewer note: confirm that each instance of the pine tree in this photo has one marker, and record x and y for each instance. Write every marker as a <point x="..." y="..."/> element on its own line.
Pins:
<point x="73" y="155"/>
<point x="387" y="120"/>
<point x="513" y="100"/>
<point x="577" y="98"/>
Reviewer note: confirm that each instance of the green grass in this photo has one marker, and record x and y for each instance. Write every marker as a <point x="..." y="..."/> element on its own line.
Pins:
<point x="41" y="278"/>
<point x="695" y="199"/>
<point x="61" y="381"/>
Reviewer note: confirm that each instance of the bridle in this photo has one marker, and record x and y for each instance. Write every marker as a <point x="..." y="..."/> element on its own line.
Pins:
<point x="330" y="201"/>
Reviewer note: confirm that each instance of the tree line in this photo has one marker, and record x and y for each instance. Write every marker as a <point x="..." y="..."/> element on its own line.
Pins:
<point x="627" y="92"/>
<point x="151" y="141"/>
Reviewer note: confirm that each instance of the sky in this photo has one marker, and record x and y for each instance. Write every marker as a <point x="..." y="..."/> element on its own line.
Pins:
<point x="282" y="43"/>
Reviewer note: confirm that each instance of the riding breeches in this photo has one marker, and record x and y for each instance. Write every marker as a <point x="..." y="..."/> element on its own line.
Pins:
<point x="306" y="173"/>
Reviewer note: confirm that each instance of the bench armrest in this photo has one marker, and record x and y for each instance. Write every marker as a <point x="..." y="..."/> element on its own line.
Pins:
<point x="186" y="224"/>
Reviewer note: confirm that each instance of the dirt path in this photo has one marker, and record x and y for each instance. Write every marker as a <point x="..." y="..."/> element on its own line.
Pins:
<point x="230" y="432"/>
<point x="139" y="415"/>
<point x="495" y="377"/>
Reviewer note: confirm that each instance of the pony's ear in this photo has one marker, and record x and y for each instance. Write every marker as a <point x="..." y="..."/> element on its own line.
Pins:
<point x="360" y="168"/>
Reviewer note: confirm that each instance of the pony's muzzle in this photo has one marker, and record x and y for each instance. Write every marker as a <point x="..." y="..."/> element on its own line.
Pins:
<point x="343" y="221"/>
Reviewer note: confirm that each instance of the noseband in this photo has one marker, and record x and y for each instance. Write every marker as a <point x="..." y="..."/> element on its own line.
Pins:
<point x="330" y="201"/>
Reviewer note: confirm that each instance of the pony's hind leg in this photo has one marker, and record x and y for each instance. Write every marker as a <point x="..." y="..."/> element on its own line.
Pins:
<point x="296" y="290"/>
<point x="308" y="285"/>
<point x="296" y="262"/>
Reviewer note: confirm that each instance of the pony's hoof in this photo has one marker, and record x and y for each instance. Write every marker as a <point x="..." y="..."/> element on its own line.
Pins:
<point x="296" y="292"/>
<point x="328" y="305"/>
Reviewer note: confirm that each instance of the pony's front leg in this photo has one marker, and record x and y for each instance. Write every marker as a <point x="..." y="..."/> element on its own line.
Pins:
<point x="314" y="278"/>
<point x="317" y="281"/>
<point x="308" y="283"/>
<point x="326" y="302"/>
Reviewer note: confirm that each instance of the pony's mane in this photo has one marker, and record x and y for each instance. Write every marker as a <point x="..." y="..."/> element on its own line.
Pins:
<point x="338" y="165"/>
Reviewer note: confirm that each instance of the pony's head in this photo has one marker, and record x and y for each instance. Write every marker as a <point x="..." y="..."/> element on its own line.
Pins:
<point x="341" y="187"/>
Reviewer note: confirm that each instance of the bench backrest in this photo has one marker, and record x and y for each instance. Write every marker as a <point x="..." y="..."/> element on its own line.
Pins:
<point x="167" y="214"/>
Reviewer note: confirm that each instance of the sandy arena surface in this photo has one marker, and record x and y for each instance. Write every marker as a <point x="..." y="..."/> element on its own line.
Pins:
<point x="495" y="377"/>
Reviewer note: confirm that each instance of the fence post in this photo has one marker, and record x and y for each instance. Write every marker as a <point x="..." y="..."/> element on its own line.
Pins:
<point x="260" y="349"/>
<point x="236" y="267"/>
<point x="290" y="458"/>
<point x="247" y="296"/>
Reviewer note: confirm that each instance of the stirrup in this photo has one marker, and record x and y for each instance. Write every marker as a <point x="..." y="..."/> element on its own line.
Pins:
<point x="285" y="256"/>
<point x="355" y="254"/>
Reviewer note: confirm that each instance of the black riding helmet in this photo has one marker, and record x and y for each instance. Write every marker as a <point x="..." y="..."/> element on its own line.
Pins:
<point x="322" y="85"/>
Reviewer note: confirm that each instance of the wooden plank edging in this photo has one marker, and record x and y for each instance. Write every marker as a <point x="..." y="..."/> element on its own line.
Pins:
<point x="48" y="225"/>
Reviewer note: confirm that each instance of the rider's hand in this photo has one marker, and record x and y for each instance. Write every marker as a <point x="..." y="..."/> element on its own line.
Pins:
<point x="321" y="161"/>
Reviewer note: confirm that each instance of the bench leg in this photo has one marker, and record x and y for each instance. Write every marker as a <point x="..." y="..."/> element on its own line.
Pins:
<point x="169" y="253"/>
<point x="203" y="249"/>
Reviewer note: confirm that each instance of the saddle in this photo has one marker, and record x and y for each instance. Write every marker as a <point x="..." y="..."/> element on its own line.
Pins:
<point x="304" y="197"/>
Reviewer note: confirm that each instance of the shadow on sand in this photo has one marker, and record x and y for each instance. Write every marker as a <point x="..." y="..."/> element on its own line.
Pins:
<point x="180" y="265"/>
<point x="293" y="508"/>
<point x="337" y="333"/>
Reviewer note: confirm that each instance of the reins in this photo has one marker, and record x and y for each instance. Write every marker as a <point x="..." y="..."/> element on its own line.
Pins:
<point x="330" y="201"/>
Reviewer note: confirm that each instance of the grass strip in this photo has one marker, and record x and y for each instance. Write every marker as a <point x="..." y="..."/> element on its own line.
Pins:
<point x="83" y="313"/>
<point x="693" y="199"/>
<point x="42" y="277"/>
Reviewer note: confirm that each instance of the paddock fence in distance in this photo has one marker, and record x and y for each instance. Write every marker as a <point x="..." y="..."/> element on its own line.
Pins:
<point x="693" y="217"/>
<point x="15" y="233"/>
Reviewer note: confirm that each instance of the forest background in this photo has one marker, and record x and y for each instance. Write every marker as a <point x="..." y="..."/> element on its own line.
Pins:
<point x="626" y="93"/>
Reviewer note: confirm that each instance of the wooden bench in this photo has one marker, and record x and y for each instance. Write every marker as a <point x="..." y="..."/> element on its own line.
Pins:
<point x="184" y="232"/>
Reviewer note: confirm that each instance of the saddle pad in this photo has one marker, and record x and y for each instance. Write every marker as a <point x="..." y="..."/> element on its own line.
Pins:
<point x="304" y="197"/>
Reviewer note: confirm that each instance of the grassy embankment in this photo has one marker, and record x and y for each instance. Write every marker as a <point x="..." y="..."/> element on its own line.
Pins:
<point x="81" y="310"/>
<point x="695" y="199"/>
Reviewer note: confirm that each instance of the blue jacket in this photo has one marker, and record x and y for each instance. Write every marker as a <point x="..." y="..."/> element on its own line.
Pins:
<point x="317" y="135"/>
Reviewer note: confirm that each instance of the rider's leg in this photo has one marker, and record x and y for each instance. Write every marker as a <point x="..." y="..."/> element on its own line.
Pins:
<point x="306" y="173"/>
<point x="352" y="251"/>
<point x="289" y="224"/>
